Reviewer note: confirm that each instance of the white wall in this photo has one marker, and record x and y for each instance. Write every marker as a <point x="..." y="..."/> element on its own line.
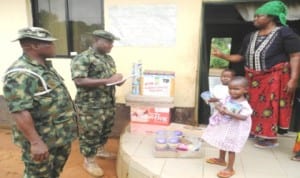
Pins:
<point x="14" y="14"/>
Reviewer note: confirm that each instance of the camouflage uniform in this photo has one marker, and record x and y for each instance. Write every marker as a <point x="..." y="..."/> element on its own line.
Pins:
<point x="96" y="105"/>
<point x="52" y="112"/>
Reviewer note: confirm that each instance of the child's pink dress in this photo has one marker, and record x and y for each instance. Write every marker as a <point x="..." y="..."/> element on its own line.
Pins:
<point x="226" y="133"/>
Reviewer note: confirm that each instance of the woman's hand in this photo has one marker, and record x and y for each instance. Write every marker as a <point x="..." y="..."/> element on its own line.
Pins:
<point x="291" y="86"/>
<point x="228" y="57"/>
<point x="217" y="53"/>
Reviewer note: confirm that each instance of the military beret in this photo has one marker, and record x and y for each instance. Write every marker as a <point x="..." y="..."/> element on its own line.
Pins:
<point x="35" y="33"/>
<point x="104" y="34"/>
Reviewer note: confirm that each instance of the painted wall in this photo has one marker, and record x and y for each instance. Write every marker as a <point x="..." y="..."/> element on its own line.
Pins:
<point x="14" y="14"/>
<point x="182" y="58"/>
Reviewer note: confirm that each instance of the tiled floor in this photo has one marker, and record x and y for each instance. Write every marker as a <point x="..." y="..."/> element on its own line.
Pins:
<point x="136" y="161"/>
<point x="254" y="162"/>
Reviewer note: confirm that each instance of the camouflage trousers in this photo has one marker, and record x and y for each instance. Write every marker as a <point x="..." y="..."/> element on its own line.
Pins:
<point x="95" y="126"/>
<point x="50" y="168"/>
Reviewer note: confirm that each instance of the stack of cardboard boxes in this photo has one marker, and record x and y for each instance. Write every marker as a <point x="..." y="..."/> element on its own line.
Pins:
<point x="150" y="110"/>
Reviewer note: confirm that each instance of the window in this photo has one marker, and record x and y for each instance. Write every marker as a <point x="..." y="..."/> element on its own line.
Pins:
<point x="70" y="21"/>
<point x="217" y="65"/>
<point x="224" y="45"/>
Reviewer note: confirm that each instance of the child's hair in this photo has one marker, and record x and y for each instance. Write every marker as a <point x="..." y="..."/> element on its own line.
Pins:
<point x="240" y="80"/>
<point x="229" y="70"/>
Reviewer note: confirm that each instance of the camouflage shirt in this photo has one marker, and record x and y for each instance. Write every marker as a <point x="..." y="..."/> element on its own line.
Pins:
<point x="52" y="111"/>
<point x="93" y="65"/>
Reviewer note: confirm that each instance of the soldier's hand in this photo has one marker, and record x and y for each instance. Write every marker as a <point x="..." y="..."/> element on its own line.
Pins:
<point x="39" y="151"/>
<point x="116" y="77"/>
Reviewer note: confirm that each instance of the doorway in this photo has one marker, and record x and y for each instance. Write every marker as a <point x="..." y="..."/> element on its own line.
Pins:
<point x="226" y="23"/>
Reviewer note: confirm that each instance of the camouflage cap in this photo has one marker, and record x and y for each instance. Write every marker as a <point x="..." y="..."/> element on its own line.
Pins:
<point x="35" y="33"/>
<point x="105" y="34"/>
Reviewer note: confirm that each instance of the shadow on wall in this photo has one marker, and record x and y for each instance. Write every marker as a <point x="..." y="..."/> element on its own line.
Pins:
<point x="122" y="118"/>
<point x="184" y="116"/>
<point x="178" y="115"/>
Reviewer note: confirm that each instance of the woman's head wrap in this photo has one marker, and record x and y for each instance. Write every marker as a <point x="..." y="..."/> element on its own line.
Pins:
<point x="276" y="8"/>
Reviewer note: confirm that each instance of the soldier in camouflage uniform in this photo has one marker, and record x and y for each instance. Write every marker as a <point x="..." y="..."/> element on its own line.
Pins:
<point x="40" y="105"/>
<point x="91" y="71"/>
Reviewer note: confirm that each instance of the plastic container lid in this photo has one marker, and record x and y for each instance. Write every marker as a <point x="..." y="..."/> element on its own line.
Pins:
<point x="173" y="140"/>
<point x="161" y="140"/>
<point x="177" y="133"/>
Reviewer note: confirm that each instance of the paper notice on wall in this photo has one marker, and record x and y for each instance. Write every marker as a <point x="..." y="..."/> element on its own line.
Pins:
<point x="143" y="25"/>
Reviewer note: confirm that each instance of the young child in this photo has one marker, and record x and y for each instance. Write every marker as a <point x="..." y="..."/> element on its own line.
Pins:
<point x="231" y="126"/>
<point x="220" y="91"/>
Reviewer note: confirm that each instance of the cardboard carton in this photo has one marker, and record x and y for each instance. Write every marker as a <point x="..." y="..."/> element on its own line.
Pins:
<point x="150" y="115"/>
<point x="157" y="83"/>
